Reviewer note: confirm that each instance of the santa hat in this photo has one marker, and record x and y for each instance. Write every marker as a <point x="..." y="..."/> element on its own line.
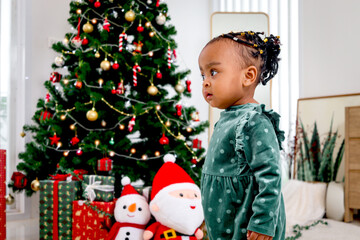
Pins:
<point x="128" y="189"/>
<point x="171" y="177"/>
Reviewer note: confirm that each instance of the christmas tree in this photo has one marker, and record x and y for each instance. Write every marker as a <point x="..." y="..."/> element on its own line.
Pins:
<point x="119" y="97"/>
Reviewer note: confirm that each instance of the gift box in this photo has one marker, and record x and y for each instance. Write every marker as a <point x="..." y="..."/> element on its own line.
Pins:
<point x="91" y="224"/>
<point x="56" y="197"/>
<point x="99" y="188"/>
<point x="104" y="164"/>
<point x="2" y="194"/>
<point x="196" y="143"/>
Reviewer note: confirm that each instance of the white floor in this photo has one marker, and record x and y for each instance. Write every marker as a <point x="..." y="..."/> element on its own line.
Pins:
<point x="29" y="230"/>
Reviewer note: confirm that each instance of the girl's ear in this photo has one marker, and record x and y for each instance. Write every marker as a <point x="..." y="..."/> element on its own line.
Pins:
<point x="250" y="75"/>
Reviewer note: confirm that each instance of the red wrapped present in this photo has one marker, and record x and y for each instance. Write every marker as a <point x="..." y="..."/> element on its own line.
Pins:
<point x="55" y="77"/>
<point x="19" y="179"/>
<point x="104" y="164"/>
<point x="45" y="115"/>
<point x="89" y="224"/>
<point x="2" y="194"/>
<point x="196" y="143"/>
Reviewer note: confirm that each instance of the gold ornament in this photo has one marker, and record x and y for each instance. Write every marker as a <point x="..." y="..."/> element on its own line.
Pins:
<point x="105" y="65"/>
<point x="151" y="34"/>
<point x="157" y="153"/>
<point x="92" y="115"/>
<point x="22" y="134"/>
<point x="152" y="90"/>
<point x="179" y="88"/>
<point x="160" y="19"/>
<point x="180" y="137"/>
<point x="133" y="151"/>
<point x="9" y="199"/>
<point x="72" y="127"/>
<point x="130" y="16"/>
<point x="97" y="54"/>
<point x="103" y="123"/>
<point x="88" y="27"/>
<point x="122" y="126"/>
<point x="78" y="11"/>
<point x="35" y="185"/>
<point x="63" y="117"/>
<point x="97" y="142"/>
<point x="148" y="24"/>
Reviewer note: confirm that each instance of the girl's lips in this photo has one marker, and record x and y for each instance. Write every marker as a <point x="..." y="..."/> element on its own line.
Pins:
<point x="209" y="96"/>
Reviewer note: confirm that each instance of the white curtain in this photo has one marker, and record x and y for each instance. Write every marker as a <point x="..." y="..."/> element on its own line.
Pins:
<point x="284" y="21"/>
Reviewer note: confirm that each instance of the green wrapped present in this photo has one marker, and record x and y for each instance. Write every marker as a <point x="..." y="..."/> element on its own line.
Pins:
<point x="99" y="188"/>
<point x="56" y="199"/>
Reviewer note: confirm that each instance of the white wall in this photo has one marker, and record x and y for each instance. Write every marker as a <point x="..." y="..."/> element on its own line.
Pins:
<point x="329" y="49"/>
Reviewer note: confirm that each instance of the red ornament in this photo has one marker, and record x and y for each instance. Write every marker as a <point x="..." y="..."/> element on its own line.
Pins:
<point x="78" y="84"/>
<point x="55" y="77"/>
<point x="115" y="65"/>
<point x="157" y="3"/>
<point x="47" y="98"/>
<point x="113" y="91"/>
<point x="54" y="139"/>
<point x="106" y="25"/>
<point x="45" y="115"/>
<point x="79" y="152"/>
<point x="75" y="140"/>
<point x="194" y="161"/>
<point x="188" y="83"/>
<point x="85" y="41"/>
<point x="196" y="143"/>
<point x="158" y="75"/>
<point x="104" y="164"/>
<point x="97" y="4"/>
<point x="178" y="109"/>
<point x="140" y="28"/>
<point x="164" y="140"/>
<point x="19" y="179"/>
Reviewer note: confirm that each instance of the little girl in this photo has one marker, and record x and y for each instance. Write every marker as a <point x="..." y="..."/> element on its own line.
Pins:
<point x="241" y="179"/>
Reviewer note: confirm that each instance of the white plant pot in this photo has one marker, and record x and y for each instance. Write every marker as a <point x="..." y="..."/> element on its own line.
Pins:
<point x="335" y="207"/>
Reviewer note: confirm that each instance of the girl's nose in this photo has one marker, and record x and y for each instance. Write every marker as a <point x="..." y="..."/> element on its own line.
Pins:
<point x="132" y="207"/>
<point x="206" y="83"/>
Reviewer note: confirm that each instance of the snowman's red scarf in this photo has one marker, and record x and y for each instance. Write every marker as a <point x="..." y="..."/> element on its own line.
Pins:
<point x="116" y="227"/>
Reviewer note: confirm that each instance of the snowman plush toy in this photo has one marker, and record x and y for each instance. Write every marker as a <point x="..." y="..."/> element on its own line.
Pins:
<point x="131" y="214"/>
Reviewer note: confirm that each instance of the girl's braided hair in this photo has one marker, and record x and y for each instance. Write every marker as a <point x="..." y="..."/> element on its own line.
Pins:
<point x="268" y="48"/>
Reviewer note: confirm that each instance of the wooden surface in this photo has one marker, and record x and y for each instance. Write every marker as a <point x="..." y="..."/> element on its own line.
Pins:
<point x="352" y="161"/>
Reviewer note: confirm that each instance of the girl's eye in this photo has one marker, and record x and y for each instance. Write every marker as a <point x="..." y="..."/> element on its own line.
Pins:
<point x="213" y="72"/>
<point x="203" y="77"/>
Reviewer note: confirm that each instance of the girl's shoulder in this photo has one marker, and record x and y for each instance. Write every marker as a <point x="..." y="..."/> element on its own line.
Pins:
<point x="257" y="115"/>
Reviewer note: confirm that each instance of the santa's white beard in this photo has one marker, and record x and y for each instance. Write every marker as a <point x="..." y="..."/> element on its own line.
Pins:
<point x="176" y="213"/>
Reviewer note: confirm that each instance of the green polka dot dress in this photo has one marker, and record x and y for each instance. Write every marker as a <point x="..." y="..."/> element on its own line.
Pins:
<point x="241" y="177"/>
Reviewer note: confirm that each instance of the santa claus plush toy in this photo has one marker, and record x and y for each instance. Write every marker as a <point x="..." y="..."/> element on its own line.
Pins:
<point x="131" y="214"/>
<point x="175" y="203"/>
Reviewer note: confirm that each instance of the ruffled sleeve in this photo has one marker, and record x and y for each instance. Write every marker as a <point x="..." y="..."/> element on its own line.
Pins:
<point x="274" y="118"/>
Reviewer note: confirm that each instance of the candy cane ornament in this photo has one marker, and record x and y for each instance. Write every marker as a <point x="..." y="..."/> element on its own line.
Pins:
<point x="169" y="57"/>
<point x="131" y="124"/>
<point x="136" y="69"/>
<point x="122" y="37"/>
<point x="47" y="98"/>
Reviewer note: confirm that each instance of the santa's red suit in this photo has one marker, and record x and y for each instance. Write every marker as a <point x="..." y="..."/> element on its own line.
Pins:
<point x="116" y="227"/>
<point x="162" y="232"/>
